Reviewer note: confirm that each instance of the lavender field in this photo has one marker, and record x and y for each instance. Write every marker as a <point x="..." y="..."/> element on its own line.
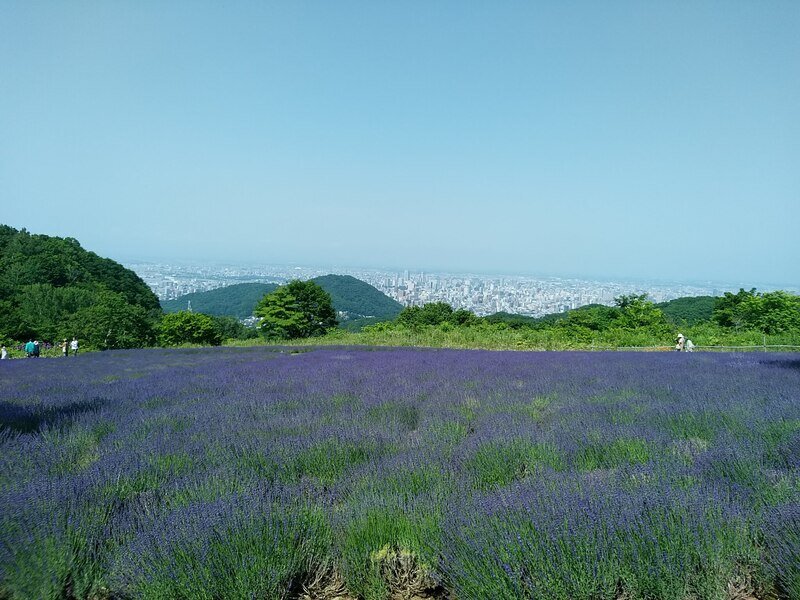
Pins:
<point x="379" y="473"/>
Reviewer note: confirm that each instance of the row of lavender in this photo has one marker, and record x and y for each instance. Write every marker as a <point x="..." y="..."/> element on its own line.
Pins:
<point x="248" y="473"/>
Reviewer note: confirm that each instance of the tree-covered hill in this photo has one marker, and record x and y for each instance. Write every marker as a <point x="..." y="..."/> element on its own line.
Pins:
<point x="236" y="300"/>
<point x="358" y="299"/>
<point x="52" y="288"/>
<point x="357" y="302"/>
<point x="690" y="310"/>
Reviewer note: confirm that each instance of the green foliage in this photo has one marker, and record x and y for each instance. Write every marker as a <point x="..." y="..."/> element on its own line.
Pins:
<point x="688" y="311"/>
<point x="594" y="318"/>
<point x="231" y="328"/>
<point x="52" y="288"/>
<point x="27" y="259"/>
<point x="772" y="312"/>
<point x="111" y="322"/>
<point x="512" y="320"/>
<point x="434" y="313"/>
<point x="356" y="299"/>
<point x="769" y="312"/>
<point x="186" y="327"/>
<point x="772" y="318"/>
<point x="636" y="311"/>
<point x="296" y="310"/>
<point x="237" y="300"/>
<point x="726" y="309"/>
<point x="42" y="310"/>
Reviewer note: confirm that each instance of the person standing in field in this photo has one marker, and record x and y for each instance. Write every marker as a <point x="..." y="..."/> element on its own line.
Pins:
<point x="29" y="349"/>
<point x="36" y="348"/>
<point x="64" y="348"/>
<point x="689" y="345"/>
<point x="680" y="343"/>
<point x="73" y="345"/>
<point x="3" y="353"/>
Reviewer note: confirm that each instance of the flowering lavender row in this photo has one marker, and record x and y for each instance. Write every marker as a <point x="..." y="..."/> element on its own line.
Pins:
<point x="261" y="472"/>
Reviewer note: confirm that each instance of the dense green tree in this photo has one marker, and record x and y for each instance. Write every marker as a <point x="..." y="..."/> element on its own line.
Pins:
<point x="42" y="309"/>
<point x="187" y="327"/>
<point x="298" y="309"/>
<point x="462" y="316"/>
<point x="636" y="311"/>
<point x="231" y="328"/>
<point x="110" y="322"/>
<point x="769" y="312"/>
<point x="594" y="318"/>
<point x="727" y="309"/>
<point x="433" y="313"/>
<point x="510" y="320"/>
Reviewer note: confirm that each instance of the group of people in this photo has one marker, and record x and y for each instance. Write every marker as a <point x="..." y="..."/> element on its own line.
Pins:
<point x="683" y="344"/>
<point x="33" y="348"/>
<point x="72" y="347"/>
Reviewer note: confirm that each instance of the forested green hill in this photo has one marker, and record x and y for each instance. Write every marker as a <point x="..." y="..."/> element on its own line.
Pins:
<point x="357" y="298"/>
<point x="357" y="302"/>
<point x="688" y="311"/>
<point x="230" y="301"/>
<point x="51" y="288"/>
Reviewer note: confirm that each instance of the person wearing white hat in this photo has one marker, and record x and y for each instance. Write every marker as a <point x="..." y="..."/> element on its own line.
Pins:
<point x="680" y="342"/>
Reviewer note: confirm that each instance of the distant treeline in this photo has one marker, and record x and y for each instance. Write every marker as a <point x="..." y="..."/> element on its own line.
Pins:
<point x="744" y="318"/>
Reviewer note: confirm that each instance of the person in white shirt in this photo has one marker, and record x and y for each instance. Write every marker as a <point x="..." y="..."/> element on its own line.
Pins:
<point x="73" y="345"/>
<point x="680" y="343"/>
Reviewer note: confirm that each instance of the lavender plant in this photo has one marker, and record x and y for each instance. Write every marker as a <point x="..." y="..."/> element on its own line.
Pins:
<point x="247" y="472"/>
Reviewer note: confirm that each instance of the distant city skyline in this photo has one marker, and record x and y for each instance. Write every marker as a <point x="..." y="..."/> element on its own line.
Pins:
<point x="622" y="140"/>
<point x="483" y="294"/>
<point x="346" y="268"/>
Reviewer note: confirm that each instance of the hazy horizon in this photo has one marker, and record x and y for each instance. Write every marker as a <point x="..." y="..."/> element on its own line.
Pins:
<point x="344" y="268"/>
<point x="625" y="140"/>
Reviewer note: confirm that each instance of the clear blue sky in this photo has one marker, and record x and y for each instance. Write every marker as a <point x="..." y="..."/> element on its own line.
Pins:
<point x="620" y="139"/>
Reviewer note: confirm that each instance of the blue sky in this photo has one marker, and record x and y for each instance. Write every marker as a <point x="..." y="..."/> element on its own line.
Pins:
<point x="607" y="139"/>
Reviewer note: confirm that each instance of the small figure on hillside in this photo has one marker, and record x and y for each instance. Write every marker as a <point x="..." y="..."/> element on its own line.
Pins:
<point x="73" y="345"/>
<point x="689" y="345"/>
<point x="3" y="353"/>
<point x="36" y="348"/>
<point x="29" y="349"/>
<point x="64" y="348"/>
<point x="679" y="345"/>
